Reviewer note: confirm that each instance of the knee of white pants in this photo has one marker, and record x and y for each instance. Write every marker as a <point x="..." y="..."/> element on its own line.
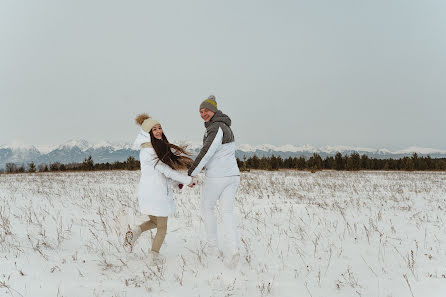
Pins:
<point x="208" y="212"/>
<point x="206" y="205"/>
<point x="229" y="224"/>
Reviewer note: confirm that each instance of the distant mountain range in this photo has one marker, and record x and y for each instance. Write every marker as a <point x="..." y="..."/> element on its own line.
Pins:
<point x="77" y="150"/>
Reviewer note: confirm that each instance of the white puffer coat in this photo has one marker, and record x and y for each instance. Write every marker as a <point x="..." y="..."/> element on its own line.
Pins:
<point x="155" y="195"/>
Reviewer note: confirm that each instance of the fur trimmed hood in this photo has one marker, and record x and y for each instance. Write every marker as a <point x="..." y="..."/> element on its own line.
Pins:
<point x="141" y="138"/>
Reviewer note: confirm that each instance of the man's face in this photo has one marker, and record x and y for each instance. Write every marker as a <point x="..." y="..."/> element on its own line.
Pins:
<point x="206" y="114"/>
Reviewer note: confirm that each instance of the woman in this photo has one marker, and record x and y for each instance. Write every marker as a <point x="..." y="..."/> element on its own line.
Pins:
<point x="160" y="161"/>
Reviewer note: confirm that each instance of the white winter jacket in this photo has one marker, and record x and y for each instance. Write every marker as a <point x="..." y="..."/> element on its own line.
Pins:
<point x="217" y="155"/>
<point x="155" y="195"/>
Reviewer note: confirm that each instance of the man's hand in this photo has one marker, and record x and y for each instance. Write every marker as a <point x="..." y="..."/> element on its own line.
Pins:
<point x="192" y="183"/>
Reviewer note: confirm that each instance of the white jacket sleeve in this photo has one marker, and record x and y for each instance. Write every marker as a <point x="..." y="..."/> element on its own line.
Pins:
<point x="173" y="174"/>
<point x="218" y="140"/>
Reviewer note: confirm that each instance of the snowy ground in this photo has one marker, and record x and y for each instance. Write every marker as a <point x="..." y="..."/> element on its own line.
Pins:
<point x="303" y="234"/>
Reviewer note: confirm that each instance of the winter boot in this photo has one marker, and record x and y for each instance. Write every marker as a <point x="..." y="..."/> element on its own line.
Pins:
<point x="212" y="251"/>
<point x="131" y="236"/>
<point x="156" y="259"/>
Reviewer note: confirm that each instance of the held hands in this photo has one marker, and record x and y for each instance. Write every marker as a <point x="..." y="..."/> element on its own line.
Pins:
<point x="191" y="185"/>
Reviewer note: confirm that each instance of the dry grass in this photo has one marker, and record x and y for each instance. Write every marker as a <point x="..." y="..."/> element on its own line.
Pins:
<point x="341" y="232"/>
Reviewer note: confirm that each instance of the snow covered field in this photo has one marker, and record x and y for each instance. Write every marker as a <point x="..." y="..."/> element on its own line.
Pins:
<point x="303" y="234"/>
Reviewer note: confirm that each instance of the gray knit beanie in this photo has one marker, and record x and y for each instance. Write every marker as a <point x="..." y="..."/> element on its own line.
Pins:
<point x="210" y="104"/>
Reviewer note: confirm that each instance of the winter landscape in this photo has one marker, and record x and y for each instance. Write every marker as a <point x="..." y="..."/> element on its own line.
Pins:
<point x="330" y="112"/>
<point x="302" y="234"/>
<point x="76" y="150"/>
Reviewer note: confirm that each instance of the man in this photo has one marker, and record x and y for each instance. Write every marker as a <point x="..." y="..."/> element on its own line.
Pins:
<point x="222" y="178"/>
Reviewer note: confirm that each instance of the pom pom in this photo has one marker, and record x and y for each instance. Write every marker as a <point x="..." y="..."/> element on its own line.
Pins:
<point x="141" y="118"/>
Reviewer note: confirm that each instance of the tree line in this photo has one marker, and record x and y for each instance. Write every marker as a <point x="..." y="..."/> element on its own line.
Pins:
<point x="351" y="162"/>
<point x="87" y="165"/>
<point x="339" y="162"/>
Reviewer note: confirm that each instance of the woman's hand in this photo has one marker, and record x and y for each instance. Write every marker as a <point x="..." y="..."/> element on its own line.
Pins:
<point x="192" y="183"/>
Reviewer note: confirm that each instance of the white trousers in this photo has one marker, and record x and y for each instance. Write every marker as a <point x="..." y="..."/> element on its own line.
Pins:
<point x="223" y="189"/>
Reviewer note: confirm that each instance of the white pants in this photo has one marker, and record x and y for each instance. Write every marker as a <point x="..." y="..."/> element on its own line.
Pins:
<point x="223" y="189"/>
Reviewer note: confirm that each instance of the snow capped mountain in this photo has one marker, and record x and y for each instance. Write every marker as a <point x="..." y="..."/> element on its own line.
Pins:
<point x="46" y="148"/>
<point x="421" y="150"/>
<point x="76" y="150"/>
<point x="190" y="145"/>
<point x="329" y="149"/>
<point x="115" y="146"/>
<point x="19" y="147"/>
<point x="79" y="143"/>
<point x="269" y="147"/>
<point x="342" y="148"/>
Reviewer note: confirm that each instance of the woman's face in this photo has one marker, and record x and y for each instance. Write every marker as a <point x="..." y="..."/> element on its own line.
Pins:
<point x="157" y="131"/>
<point x="206" y="114"/>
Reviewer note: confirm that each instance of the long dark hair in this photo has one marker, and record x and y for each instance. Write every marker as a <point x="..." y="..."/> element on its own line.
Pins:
<point x="170" y="154"/>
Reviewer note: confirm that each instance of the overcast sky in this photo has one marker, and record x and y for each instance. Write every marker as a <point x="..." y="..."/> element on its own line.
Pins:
<point x="361" y="73"/>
